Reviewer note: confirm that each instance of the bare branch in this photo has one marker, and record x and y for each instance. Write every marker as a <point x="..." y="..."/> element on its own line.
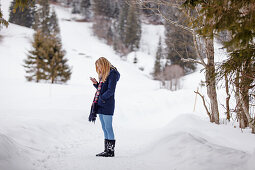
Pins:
<point x="158" y="11"/>
<point x="190" y="60"/>
<point x="203" y="98"/>
<point x="197" y="49"/>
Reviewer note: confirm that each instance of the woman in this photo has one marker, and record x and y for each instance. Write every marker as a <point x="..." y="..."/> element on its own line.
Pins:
<point x="108" y="77"/>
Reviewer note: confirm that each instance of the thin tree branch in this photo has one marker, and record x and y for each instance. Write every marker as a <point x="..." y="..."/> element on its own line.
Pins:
<point x="191" y="60"/>
<point x="207" y="111"/>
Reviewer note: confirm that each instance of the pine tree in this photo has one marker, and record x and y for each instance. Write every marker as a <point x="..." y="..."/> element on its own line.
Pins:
<point x="102" y="8"/>
<point x="57" y="69"/>
<point x="103" y="25"/>
<point x="85" y="8"/>
<point x="76" y="7"/>
<point x="109" y="35"/>
<point x="159" y="56"/>
<point x="115" y="9"/>
<point x="46" y="61"/>
<point x="19" y="3"/>
<point x="133" y="29"/>
<point x="23" y="17"/>
<point x="135" y="60"/>
<point x="107" y="8"/>
<point x="46" y="19"/>
<point x="53" y="24"/>
<point x="122" y="20"/>
<point x="35" y="63"/>
<point x="42" y="18"/>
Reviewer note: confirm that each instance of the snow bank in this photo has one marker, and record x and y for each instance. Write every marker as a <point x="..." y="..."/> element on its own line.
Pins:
<point x="189" y="142"/>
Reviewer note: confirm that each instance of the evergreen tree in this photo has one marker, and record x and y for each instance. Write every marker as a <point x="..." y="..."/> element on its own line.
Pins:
<point x="122" y="20"/>
<point x="76" y="7"/>
<point x="102" y="8"/>
<point x="23" y="17"/>
<point x="107" y="8"/>
<point x="35" y="63"/>
<point x="46" y="61"/>
<point x="53" y="24"/>
<point x="42" y="18"/>
<point x="105" y="13"/>
<point x="115" y="9"/>
<point x="127" y="28"/>
<point x="109" y="35"/>
<point x="85" y="8"/>
<point x="135" y="59"/>
<point x="46" y="19"/>
<point x="159" y="56"/>
<point x="19" y="3"/>
<point x="57" y="69"/>
<point x="133" y="29"/>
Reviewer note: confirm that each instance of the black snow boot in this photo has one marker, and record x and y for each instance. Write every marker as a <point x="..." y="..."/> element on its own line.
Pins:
<point x="105" y="149"/>
<point x="110" y="148"/>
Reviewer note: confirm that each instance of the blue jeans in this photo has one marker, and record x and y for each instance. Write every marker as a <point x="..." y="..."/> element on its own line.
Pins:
<point x="106" y="122"/>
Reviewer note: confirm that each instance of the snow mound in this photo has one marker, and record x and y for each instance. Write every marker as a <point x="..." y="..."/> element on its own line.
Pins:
<point x="189" y="151"/>
<point x="188" y="142"/>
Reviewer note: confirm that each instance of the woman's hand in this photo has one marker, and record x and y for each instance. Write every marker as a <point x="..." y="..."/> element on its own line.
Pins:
<point x="94" y="81"/>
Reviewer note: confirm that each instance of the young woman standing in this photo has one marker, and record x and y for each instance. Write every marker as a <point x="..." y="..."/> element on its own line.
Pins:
<point x="108" y="76"/>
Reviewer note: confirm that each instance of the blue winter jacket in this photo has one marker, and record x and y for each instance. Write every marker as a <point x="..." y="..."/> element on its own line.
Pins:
<point x="106" y="100"/>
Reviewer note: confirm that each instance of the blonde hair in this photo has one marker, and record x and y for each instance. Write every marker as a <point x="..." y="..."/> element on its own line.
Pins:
<point x="105" y="66"/>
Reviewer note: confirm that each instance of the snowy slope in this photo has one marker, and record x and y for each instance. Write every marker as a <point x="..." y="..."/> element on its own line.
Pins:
<point x="147" y="48"/>
<point x="45" y="126"/>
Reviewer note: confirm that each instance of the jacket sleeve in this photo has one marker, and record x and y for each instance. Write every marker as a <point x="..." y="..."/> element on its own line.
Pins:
<point x="111" y="87"/>
<point x="95" y="85"/>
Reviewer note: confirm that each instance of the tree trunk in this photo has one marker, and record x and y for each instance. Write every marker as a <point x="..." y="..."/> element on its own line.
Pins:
<point x="244" y="93"/>
<point x="246" y="112"/>
<point x="210" y="80"/>
<point x="228" y="98"/>
<point x="52" y="79"/>
<point x="239" y="110"/>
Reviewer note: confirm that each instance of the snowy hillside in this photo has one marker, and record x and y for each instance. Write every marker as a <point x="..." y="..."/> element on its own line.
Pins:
<point x="45" y="127"/>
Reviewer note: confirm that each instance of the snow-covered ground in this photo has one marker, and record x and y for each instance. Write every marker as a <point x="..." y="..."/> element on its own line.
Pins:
<point x="45" y="127"/>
